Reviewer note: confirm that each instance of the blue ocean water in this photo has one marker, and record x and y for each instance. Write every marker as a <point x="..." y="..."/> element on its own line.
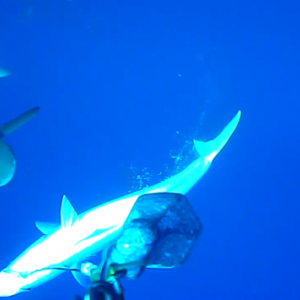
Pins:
<point x="125" y="85"/>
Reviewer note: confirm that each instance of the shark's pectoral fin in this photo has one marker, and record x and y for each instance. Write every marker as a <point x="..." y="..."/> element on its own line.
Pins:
<point x="83" y="277"/>
<point x="18" y="122"/>
<point x="68" y="215"/>
<point x="46" y="227"/>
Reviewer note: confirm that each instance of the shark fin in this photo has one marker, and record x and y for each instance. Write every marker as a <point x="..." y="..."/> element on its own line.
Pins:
<point x="211" y="148"/>
<point x="18" y="122"/>
<point x="46" y="227"/>
<point x="68" y="215"/>
<point x="83" y="277"/>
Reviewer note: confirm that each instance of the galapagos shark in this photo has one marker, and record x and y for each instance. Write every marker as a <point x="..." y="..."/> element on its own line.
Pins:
<point x="66" y="246"/>
<point x="7" y="157"/>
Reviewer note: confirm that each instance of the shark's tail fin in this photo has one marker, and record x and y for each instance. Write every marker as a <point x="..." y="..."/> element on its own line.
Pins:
<point x="211" y="148"/>
<point x="18" y="122"/>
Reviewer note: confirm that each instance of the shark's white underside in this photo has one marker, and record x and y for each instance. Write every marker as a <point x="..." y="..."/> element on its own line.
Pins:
<point x="81" y="236"/>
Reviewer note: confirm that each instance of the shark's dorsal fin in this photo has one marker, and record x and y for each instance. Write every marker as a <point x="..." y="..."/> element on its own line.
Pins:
<point x="46" y="227"/>
<point x="68" y="215"/>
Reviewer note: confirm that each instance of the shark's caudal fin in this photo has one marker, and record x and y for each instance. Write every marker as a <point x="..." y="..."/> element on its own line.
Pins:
<point x="18" y="122"/>
<point x="211" y="148"/>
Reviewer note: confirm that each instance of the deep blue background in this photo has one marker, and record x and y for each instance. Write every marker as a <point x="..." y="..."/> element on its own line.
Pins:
<point x="115" y="80"/>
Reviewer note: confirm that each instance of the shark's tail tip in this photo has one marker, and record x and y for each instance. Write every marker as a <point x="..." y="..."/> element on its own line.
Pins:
<point x="211" y="148"/>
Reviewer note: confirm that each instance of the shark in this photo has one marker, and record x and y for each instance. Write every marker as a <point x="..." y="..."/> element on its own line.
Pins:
<point x="7" y="156"/>
<point x="68" y="245"/>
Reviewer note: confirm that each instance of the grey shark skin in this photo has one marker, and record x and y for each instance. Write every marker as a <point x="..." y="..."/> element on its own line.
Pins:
<point x="7" y="157"/>
<point x="79" y="236"/>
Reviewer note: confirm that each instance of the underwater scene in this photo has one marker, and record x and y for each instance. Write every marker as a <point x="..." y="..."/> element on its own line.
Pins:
<point x="149" y="150"/>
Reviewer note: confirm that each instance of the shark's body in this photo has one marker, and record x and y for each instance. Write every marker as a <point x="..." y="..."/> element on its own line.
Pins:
<point x="7" y="157"/>
<point x="80" y="236"/>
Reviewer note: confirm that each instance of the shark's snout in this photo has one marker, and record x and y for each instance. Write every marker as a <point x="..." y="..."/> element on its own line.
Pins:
<point x="9" y="284"/>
